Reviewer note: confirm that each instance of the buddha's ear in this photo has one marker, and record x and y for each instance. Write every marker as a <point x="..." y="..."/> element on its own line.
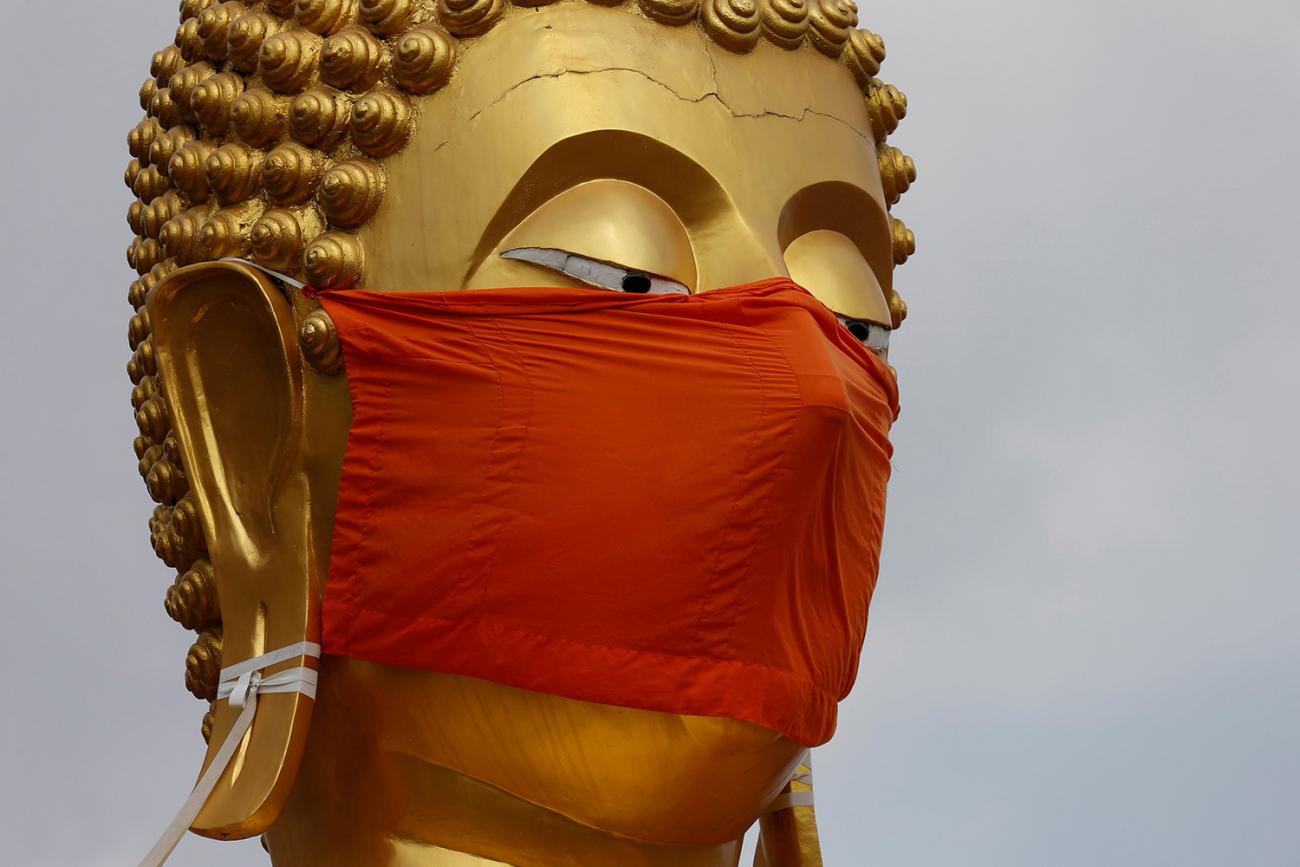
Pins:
<point x="232" y="377"/>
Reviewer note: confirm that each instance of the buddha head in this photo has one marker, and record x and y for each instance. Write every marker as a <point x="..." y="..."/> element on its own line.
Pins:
<point x="430" y="145"/>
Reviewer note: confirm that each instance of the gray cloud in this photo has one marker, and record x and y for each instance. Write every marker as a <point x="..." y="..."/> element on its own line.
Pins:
<point x="1082" y="648"/>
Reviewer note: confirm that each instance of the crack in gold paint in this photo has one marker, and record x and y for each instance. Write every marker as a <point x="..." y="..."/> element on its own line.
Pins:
<point x="712" y="94"/>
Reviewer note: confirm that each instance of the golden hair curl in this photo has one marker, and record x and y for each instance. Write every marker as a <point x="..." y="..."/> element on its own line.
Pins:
<point x="266" y="126"/>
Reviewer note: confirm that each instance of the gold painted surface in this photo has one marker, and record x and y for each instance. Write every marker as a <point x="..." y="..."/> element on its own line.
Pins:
<point x="828" y="264"/>
<point x="403" y="145"/>
<point x="608" y="220"/>
<point x="576" y="90"/>
<point x="240" y="436"/>
<point x="368" y="793"/>
<point x="788" y="838"/>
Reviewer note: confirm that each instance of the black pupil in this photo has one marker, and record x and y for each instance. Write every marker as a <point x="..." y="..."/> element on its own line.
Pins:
<point x="859" y="330"/>
<point x="634" y="282"/>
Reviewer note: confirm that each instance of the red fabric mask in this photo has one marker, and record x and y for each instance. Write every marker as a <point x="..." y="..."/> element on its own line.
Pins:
<point x="665" y="502"/>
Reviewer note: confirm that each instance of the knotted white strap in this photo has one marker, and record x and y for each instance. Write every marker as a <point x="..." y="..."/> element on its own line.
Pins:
<point x="786" y="800"/>
<point x="241" y="684"/>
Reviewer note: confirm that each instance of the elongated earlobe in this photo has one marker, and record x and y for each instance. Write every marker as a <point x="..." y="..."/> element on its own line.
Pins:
<point x="232" y="378"/>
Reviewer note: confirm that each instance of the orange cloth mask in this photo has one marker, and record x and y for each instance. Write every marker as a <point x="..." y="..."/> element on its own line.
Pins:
<point x="665" y="502"/>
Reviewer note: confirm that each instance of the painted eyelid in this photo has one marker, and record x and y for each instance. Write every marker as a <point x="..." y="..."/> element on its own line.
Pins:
<point x="611" y="221"/>
<point x="830" y="266"/>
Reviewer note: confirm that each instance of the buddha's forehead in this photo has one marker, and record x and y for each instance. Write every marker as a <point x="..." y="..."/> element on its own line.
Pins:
<point x="555" y="97"/>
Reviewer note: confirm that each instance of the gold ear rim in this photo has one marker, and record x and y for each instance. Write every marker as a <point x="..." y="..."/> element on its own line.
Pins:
<point x="260" y="615"/>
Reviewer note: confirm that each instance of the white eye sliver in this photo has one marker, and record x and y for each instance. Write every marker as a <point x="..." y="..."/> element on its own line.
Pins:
<point x="877" y="336"/>
<point x="593" y="272"/>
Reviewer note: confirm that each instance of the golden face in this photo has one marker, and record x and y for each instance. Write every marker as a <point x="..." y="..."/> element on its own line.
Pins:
<point x="607" y="136"/>
<point x="406" y="146"/>
<point x="708" y="142"/>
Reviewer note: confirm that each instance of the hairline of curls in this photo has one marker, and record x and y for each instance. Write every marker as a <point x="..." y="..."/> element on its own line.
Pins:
<point x="265" y="130"/>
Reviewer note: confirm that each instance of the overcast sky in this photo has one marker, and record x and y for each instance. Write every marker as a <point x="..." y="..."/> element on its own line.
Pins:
<point x="1084" y="647"/>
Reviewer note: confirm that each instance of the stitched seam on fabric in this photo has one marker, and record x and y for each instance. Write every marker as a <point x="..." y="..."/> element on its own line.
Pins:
<point x="372" y="481"/>
<point x="710" y="587"/>
<point x="523" y="442"/>
<point x="771" y="490"/>
<point x="481" y="507"/>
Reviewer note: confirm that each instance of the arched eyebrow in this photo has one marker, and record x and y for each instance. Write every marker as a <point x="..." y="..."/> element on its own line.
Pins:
<point x="693" y="193"/>
<point x="845" y="208"/>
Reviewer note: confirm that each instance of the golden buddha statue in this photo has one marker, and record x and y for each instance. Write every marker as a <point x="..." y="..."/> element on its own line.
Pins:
<point x="406" y="145"/>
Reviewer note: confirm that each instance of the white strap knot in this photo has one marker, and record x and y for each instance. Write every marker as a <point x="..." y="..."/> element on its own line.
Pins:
<point x="241" y="684"/>
<point x="248" y="681"/>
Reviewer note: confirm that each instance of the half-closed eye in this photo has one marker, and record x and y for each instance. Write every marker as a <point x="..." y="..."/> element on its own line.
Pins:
<point x="869" y="334"/>
<point x="594" y="272"/>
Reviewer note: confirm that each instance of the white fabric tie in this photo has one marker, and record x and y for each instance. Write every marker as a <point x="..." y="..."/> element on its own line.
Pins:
<point x="241" y="683"/>
<point x="786" y="800"/>
<point x="297" y="284"/>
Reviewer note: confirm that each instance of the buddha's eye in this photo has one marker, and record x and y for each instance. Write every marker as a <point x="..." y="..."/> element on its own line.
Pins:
<point x="869" y="334"/>
<point x="593" y="272"/>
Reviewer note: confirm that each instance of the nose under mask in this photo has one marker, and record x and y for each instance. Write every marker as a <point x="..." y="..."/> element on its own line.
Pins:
<point x="661" y="501"/>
